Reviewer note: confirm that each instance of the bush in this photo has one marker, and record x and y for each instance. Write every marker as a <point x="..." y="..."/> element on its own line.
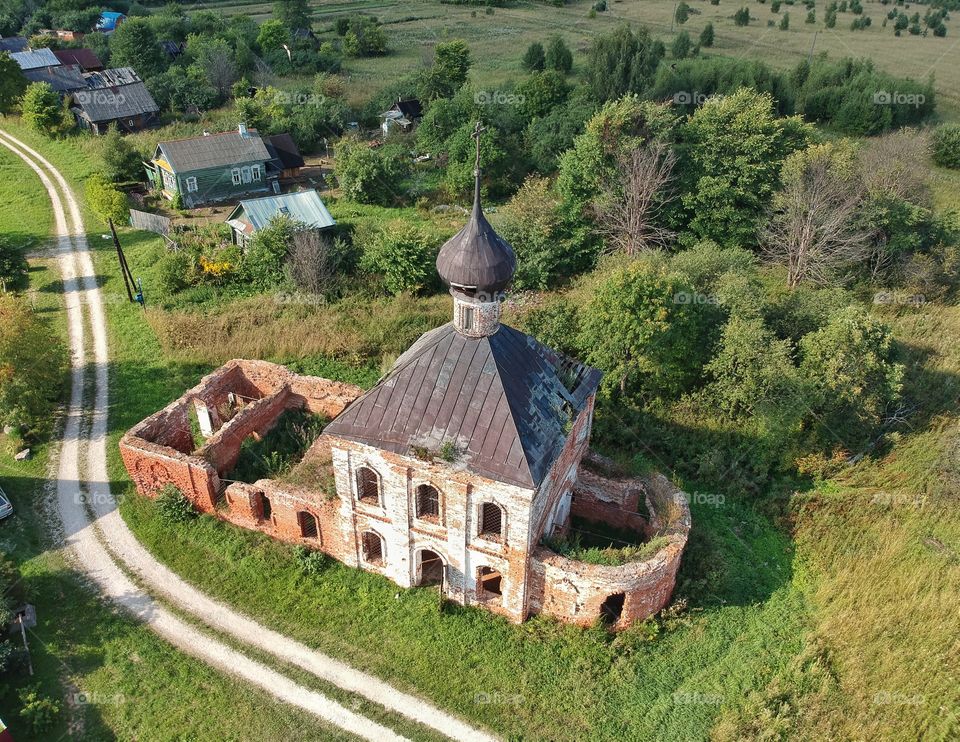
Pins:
<point x="946" y="145"/>
<point x="534" y="58"/>
<point x="106" y="201"/>
<point x="172" y="272"/>
<point x="173" y="506"/>
<point x="263" y="263"/>
<point x="41" y="108"/>
<point x="311" y="562"/>
<point x="33" y="361"/>
<point x="13" y="266"/>
<point x="370" y="176"/>
<point x="404" y="256"/>
<point x="742" y="17"/>
<point x="38" y="711"/>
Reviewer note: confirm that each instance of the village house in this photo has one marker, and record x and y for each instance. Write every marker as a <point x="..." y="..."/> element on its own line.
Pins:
<point x="214" y="167"/>
<point x="32" y="59"/>
<point x="85" y="59"/>
<point x="13" y="44"/>
<point x="251" y="215"/>
<point x="114" y="97"/>
<point x="64" y="79"/>
<point x="109" y="21"/>
<point x="455" y="470"/>
<point x="402" y="116"/>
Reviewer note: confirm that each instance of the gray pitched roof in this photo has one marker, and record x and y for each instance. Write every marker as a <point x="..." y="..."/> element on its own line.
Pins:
<point x="506" y="400"/>
<point x="107" y="104"/>
<point x="305" y="207"/>
<point x="216" y="150"/>
<point x="33" y="58"/>
<point x="62" y="79"/>
<point x="14" y="44"/>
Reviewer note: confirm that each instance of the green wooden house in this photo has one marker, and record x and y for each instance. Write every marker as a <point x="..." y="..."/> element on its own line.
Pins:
<point x="214" y="167"/>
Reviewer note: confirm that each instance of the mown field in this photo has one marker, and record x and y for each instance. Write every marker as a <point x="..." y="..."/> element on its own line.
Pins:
<point x="499" y="40"/>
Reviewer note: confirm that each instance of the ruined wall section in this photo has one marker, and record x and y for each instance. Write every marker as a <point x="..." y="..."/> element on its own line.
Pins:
<point x="576" y="591"/>
<point x="242" y="398"/>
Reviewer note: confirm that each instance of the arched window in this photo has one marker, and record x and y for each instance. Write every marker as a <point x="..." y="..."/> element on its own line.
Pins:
<point x="368" y="485"/>
<point x="489" y="583"/>
<point x="372" y="547"/>
<point x="491" y="520"/>
<point x="428" y="502"/>
<point x="308" y="524"/>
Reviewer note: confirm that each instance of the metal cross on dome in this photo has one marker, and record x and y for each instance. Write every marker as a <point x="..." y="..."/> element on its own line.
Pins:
<point x="477" y="131"/>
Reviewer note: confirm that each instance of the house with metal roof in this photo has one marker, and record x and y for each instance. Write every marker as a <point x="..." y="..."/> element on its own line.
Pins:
<point x="402" y="116"/>
<point x="114" y="97"/>
<point x="85" y="59"/>
<point x="32" y="59"/>
<point x="13" y="44"/>
<point x="213" y="168"/>
<point x="253" y="214"/>
<point x="64" y="79"/>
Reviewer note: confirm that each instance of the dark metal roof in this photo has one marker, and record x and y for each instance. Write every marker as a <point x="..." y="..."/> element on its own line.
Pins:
<point x="411" y="108"/>
<point x="14" y="44"/>
<point x="506" y="401"/>
<point x="31" y="59"/>
<point x="476" y="257"/>
<point x="282" y="147"/>
<point x="86" y="58"/>
<point x="108" y="104"/>
<point x="216" y="150"/>
<point x="64" y="79"/>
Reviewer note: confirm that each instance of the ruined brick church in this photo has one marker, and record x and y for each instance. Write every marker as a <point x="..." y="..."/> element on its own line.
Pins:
<point x="451" y="471"/>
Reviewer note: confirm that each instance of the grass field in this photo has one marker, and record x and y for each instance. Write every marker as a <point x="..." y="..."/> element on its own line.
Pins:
<point x="498" y="41"/>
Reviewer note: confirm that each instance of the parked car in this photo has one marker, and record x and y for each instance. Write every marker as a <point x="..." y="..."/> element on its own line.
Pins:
<point x="6" y="507"/>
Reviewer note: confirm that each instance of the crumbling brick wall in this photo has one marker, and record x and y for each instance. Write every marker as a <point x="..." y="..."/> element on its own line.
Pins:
<point x="576" y="591"/>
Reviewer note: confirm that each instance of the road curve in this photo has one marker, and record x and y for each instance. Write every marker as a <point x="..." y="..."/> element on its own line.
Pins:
<point x="102" y="546"/>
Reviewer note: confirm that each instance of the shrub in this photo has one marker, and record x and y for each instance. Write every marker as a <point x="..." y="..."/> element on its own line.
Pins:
<point x="263" y="263"/>
<point x="41" y="108"/>
<point x="534" y="58"/>
<point x="106" y="201"/>
<point x="946" y="145"/>
<point x="558" y="55"/>
<point x="707" y="36"/>
<point x="370" y="175"/>
<point x="742" y="17"/>
<point x="174" y="506"/>
<point x="33" y="361"/>
<point x="172" y="272"/>
<point x="311" y="562"/>
<point x="38" y="711"/>
<point x="404" y="256"/>
<point x="13" y="265"/>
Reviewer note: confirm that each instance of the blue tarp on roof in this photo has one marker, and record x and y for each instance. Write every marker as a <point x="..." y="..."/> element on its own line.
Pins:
<point x="109" y="20"/>
<point x="305" y="207"/>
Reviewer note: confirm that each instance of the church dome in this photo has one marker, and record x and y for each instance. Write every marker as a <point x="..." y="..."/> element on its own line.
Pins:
<point x="476" y="259"/>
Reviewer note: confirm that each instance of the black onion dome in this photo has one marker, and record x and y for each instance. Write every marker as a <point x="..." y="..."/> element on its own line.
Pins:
<point x="477" y="258"/>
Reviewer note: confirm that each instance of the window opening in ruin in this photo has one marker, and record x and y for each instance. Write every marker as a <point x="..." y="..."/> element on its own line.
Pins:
<point x="368" y="485"/>
<point x="612" y="608"/>
<point x="489" y="583"/>
<point x="428" y="502"/>
<point x="431" y="568"/>
<point x="491" y="520"/>
<point x="308" y="524"/>
<point x="372" y="548"/>
<point x="265" y="509"/>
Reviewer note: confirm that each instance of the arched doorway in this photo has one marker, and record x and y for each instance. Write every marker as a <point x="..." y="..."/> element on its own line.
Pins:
<point x="430" y="568"/>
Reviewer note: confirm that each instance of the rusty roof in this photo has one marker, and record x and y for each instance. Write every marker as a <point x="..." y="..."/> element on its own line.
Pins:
<point x="506" y="401"/>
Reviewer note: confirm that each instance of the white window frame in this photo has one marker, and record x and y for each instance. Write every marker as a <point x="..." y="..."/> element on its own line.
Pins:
<point x="235" y="173"/>
<point x="191" y="184"/>
<point x="246" y="174"/>
<point x="169" y="182"/>
<point x="255" y="173"/>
